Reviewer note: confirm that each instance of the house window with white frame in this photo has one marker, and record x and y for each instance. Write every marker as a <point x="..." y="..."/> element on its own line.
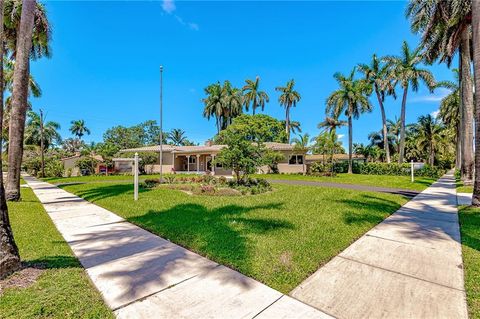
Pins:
<point x="192" y="160"/>
<point x="296" y="160"/>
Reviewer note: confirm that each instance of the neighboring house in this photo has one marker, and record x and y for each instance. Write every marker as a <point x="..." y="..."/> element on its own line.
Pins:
<point x="199" y="159"/>
<point x="71" y="169"/>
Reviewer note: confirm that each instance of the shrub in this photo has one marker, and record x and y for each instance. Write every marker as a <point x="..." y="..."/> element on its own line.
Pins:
<point x="151" y="183"/>
<point x="399" y="169"/>
<point x="86" y="165"/>
<point x="170" y="179"/>
<point x="53" y="168"/>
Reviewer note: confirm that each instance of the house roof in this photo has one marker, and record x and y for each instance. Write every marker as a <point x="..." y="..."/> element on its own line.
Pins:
<point x="202" y="148"/>
<point x="97" y="157"/>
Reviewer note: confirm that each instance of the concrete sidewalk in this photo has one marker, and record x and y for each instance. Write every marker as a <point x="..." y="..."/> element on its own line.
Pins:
<point x="141" y="275"/>
<point x="408" y="266"/>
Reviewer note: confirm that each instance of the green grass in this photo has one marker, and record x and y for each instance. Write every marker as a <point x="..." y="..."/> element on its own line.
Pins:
<point x="279" y="237"/>
<point x="402" y="182"/>
<point x="470" y="231"/>
<point x="95" y="178"/>
<point x="63" y="289"/>
<point x="463" y="189"/>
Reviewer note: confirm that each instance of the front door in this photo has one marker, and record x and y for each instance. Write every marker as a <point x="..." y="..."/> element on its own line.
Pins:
<point x="209" y="163"/>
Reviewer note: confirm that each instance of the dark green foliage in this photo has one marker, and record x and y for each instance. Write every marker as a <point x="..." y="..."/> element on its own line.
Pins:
<point x="398" y="169"/>
<point x="87" y="165"/>
<point x="53" y="166"/>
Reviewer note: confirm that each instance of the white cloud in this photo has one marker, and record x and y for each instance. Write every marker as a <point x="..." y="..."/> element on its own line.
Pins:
<point x="435" y="113"/>
<point x="340" y="136"/>
<point x="169" y="7"/>
<point x="434" y="97"/>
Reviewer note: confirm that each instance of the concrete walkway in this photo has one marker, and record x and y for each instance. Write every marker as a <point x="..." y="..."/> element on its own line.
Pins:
<point x="141" y="275"/>
<point x="409" y="266"/>
<point x="363" y="188"/>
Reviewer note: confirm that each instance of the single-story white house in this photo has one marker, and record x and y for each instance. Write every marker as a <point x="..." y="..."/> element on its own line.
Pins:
<point x="199" y="159"/>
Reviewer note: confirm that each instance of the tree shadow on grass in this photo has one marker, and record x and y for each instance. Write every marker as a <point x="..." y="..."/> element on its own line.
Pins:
<point x="219" y="233"/>
<point x="54" y="262"/>
<point x="106" y="191"/>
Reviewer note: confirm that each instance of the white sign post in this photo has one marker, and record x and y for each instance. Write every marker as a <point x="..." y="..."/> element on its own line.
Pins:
<point x="411" y="170"/>
<point x="135" y="177"/>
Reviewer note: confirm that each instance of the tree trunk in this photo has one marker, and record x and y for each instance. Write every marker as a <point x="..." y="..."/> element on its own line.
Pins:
<point x="458" y="145"/>
<point x="350" y="144"/>
<point x="19" y="100"/>
<point x="287" y="123"/>
<point x="476" y="68"/>
<point x="402" y="125"/>
<point x="9" y="256"/>
<point x="466" y="92"/>
<point x="384" y="126"/>
<point x="42" y="146"/>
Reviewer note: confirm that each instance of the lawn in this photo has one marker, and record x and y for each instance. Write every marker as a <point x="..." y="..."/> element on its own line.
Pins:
<point x="470" y="231"/>
<point x="402" y="182"/>
<point x="63" y="289"/>
<point x="463" y="189"/>
<point x="95" y="178"/>
<point x="279" y="237"/>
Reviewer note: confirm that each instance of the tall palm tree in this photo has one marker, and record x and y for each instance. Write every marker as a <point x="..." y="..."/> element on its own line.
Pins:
<point x="376" y="73"/>
<point x="9" y="255"/>
<point x="445" y="28"/>
<point x="302" y="141"/>
<point x="42" y="134"/>
<point x="177" y="137"/>
<point x="295" y="126"/>
<point x="79" y="128"/>
<point x="429" y="136"/>
<point x="213" y="103"/>
<point x="288" y="98"/>
<point x="352" y="100"/>
<point x="405" y="70"/>
<point x="232" y="104"/>
<point x="253" y="96"/>
<point x="19" y="99"/>
<point x="476" y="67"/>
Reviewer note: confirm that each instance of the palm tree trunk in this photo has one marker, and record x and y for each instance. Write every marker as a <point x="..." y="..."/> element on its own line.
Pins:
<point x="9" y="256"/>
<point x="458" y="148"/>
<point x="402" y="125"/>
<point x="466" y="92"/>
<point x="476" y="68"/>
<point x="19" y="99"/>
<point x="350" y="144"/>
<point x="42" y="146"/>
<point x="287" y="123"/>
<point x="384" y="126"/>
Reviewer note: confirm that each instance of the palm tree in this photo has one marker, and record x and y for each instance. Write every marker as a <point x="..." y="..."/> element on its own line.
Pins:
<point x="394" y="127"/>
<point x="9" y="255"/>
<point x="19" y="99"/>
<point x="445" y="28"/>
<point x="78" y="128"/>
<point x="41" y="134"/>
<point x="177" y="137"/>
<point x="213" y="103"/>
<point x="232" y="104"/>
<point x="253" y="96"/>
<point x="449" y="113"/>
<point x="287" y="99"/>
<point x="404" y="69"/>
<point x="376" y="73"/>
<point x="302" y="141"/>
<point x="331" y="124"/>
<point x="476" y="67"/>
<point x="429" y="136"/>
<point x="295" y="126"/>
<point x="352" y="100"/>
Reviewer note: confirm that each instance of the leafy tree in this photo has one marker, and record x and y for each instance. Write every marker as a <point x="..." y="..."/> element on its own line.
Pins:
<point x="87" y="165"/>
<point x="404" y="69"/>
<point x="253" y="96"/>
<point x="352" y="100"/>
<point x="271" y="159"/>
<point x="241" y="155"/>
<point x="73" y="145"/>
<point x="79" y="128"/>
<point x="288" y="98"/>
<point x="376" y="73"/>
<point x="257" y="128"/>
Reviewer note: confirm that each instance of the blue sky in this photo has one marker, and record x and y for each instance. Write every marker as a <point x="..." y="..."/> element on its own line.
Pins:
<point x="106" y="58"/>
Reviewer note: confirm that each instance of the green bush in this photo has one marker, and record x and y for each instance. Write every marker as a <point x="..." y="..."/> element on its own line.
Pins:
<point x="86" y="165"/>
<point x="251" y="186"/>
<point x="53" y="168"/>
<point x="151" y="183"/>
<point x="398" y="169"/>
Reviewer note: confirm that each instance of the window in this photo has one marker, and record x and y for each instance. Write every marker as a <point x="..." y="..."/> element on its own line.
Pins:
<point x="219" y="165"/>
<point x="296" y="160"/>
<point x="192" y="160"/>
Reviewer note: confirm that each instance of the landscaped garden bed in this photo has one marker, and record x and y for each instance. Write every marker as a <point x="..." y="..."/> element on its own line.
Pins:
<point x="210" y="185"/>
<point x="278" y="237"/>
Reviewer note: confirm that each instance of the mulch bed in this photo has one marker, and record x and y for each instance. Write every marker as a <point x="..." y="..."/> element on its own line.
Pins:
<point x="22" y="278"/>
